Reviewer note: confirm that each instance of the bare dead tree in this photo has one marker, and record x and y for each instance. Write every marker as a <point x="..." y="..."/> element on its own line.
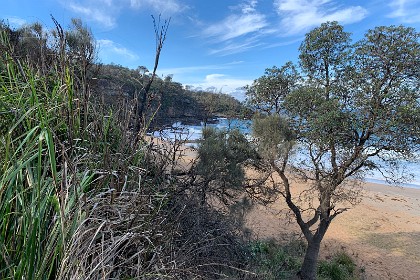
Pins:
<point x="160" y="36"/>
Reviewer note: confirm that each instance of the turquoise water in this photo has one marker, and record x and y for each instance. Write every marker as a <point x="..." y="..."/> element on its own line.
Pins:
<point x="192" y="133"/>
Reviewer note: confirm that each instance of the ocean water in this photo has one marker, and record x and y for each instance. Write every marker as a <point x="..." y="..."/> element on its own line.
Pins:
<point x="191" y="133"/>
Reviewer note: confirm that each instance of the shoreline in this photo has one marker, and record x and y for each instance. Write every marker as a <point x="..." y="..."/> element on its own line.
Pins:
<point x="391" y="189"/>
<point x="382" y="182"/>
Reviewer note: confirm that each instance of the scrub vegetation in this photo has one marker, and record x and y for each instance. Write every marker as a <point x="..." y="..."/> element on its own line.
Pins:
<point x="85" y="193"/>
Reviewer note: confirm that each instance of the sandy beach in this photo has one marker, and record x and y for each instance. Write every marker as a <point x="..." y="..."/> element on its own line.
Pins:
<point x="382" y="233"/>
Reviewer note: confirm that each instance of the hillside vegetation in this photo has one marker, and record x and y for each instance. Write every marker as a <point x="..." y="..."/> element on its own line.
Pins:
<point x="84" y="194"/>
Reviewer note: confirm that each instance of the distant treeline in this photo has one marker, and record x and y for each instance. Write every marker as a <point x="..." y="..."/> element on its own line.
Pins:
<point x="169" y="101"/>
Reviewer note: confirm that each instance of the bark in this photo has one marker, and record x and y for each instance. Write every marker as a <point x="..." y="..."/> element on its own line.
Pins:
<point x="309" y="265"/>
<point x="308" y="269"/>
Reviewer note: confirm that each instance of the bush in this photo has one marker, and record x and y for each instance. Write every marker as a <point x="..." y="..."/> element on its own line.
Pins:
<point x="81" y="197"/>
<point x="270" y="260"/>
<point x="340" y="267"/>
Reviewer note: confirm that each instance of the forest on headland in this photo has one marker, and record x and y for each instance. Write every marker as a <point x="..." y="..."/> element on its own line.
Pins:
<point x="86" y="194"/>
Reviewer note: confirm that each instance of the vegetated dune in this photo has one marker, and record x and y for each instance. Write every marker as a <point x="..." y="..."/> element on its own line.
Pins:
<point x="382" y="233"/>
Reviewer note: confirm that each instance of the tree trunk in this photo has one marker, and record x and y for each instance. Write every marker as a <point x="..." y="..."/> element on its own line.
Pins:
<point x="308" y="269"/>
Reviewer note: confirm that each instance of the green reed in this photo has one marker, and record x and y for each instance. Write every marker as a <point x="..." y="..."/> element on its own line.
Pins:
<point x="39" y="196"/>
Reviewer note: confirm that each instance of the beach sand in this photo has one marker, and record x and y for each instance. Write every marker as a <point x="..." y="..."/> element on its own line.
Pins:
<point x="381" y="233"/>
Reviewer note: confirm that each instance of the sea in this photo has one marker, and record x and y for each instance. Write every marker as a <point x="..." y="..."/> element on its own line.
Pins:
<point x="191" y="133"/>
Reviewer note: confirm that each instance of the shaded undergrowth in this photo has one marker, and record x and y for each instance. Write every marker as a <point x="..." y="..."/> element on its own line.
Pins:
<point x="271" y="260"/>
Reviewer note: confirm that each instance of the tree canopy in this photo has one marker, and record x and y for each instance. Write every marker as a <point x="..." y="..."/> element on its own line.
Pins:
<point x="356" y="110"/>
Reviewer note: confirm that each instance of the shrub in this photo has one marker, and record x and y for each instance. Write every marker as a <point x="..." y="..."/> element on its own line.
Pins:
<point x="340" y="267"/>
<point x="271" y="260"/>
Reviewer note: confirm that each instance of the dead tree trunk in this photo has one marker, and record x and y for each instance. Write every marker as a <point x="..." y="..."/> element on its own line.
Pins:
<point x="160" y="33"/>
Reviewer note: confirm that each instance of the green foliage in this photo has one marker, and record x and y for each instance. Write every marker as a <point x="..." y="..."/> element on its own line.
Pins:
<point x="39" y="212"/>
<point x="340" y="267"/>
<point x="267" y="92"/>
<point x="324" y="54"/>
<point x="272" y="261"/>
<point x="48" y="160"/>
<point x="275" y="139"/>
<point x="80" y="196"/>
<point x="221" y="156"/>
<point x="218" y="104"/>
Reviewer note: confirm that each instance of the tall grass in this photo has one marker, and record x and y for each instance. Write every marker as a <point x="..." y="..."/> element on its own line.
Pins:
<point x="39" y="195"/>
<point x="81" y="197"/>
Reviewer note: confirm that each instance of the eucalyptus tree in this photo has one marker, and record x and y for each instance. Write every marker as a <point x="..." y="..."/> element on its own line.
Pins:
<point x="324" y="55"/>
<point x="268" y="91"/>
<point x="357" y="111"/>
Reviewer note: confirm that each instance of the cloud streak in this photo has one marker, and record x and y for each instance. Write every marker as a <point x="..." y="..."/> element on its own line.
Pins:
<point x="194" y="69"/>
<point x="235" y="26"/>
<point x="224" y="83"/>
<point x="237" y="32"/>
<point x="298" y="16"/>
<point x="236" y="47"/>
<point x="245" y="28"/>
<point x="16" y="21"/>
<point x="408" y="11"/>
<point x="109" y="50"/>
<point x="161" y="6"/>
<point x="96" y="14"/>
<point x="106" y="12"/>
<point x="247" y="21"/>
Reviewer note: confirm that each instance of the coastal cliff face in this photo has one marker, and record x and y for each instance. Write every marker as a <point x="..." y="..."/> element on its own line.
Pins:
<point x="171" y="106"/>
<point x="168" y="102"/>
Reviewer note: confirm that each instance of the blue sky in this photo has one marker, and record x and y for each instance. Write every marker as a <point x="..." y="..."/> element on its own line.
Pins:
<point x="223" y="44"/>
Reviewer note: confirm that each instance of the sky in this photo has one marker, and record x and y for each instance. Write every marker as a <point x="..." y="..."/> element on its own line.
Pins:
<point x="220" y="44"/>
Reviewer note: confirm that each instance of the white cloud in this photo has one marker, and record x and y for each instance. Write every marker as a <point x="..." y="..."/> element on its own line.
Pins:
<point x="223" y="83"/>
<point x="284" y="43"/>
<point x="161" y="6"/>
<point x="96" y="14"/>
<point x="15" y="21"/>
<point x="106" y="12"/>
<point x="194" y="69"/>
<point x="408" y="11"/>
<point x="248" y="7"/>
<point x="110" y="51"/>
<point x="239" y="31"/>
<point x="235" y="26"/>
<point x="233" y="47"/>
<point x="297" y="16"/>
